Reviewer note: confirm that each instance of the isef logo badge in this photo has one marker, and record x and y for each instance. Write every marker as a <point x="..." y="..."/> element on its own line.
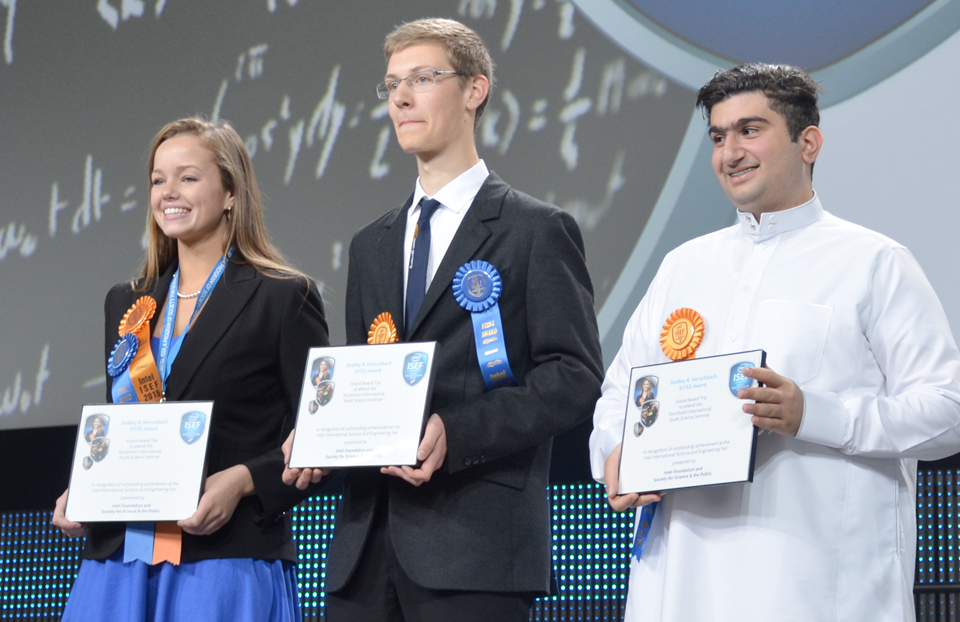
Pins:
<point x="738" y="380"/>
<point x="191" y="427"/>
<point x="680" y="333"/>
<point x="414" y="367"/>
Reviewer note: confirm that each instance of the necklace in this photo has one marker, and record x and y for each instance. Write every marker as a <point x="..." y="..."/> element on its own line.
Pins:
<point x="185" y="296"/>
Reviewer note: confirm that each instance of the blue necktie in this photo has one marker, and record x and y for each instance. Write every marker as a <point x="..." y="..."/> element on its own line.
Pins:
<point x="419" y="255"/>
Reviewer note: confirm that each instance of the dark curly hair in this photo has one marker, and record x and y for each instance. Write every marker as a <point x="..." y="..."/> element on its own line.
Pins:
<point x="792" y="93"/>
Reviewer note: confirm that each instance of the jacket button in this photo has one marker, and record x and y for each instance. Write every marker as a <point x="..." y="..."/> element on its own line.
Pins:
<point x="466" y="461"/>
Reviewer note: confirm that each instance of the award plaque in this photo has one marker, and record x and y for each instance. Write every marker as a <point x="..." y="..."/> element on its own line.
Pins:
<point x="139" y="462"/>
<point x="685" y="426"/>
<point x="363" y="405"/>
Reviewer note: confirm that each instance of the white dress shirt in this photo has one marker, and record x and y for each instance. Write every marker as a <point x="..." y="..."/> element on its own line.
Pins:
<point x="827" y="529"/>
<point x="455" y="199"/>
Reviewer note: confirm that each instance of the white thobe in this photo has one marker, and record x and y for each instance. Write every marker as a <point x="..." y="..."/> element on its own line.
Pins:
<point x="827" y="529"/>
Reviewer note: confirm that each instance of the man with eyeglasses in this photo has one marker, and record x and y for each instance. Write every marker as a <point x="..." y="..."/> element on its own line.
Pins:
<point x="498" y="278"/>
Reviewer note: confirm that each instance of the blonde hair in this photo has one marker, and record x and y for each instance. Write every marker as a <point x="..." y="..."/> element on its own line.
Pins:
<point x="463" y="47"/>
<point x="245" y="228"/>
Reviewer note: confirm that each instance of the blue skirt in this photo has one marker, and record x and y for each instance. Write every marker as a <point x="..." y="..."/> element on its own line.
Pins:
<point x="228" y="590"/>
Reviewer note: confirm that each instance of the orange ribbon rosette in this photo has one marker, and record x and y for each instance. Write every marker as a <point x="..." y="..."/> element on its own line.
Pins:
<point x="682" y="334"/>
<point x="382" y="330"/>
<point x="144" y="374"/>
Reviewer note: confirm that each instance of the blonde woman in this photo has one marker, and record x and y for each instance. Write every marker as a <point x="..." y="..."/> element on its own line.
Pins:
<point x="235" y="322"/>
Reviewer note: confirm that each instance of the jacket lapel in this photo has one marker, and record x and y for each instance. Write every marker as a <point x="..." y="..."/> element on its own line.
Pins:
<point x="466" y="242"/>
<point x="227" y="300"/>
<point x="391" y="265"/>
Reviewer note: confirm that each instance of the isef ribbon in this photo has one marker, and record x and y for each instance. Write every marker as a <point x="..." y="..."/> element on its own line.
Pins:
<point x="477" y="287"/>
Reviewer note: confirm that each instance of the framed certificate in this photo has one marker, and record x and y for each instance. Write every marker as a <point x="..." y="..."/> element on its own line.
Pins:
<point x="139" y="462"/>
<point x="685" y="426"/>
<point x="363" y="405"/>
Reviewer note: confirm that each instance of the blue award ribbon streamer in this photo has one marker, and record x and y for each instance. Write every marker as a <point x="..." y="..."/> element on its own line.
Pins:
<point x="138" y="543"/>
<point x="118" y="368"/>
<point x="647" y="513"/>
<point x="477" y="287"/>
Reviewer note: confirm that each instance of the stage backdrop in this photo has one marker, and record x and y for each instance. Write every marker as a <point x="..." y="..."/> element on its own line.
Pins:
<point x="592" y="110"/>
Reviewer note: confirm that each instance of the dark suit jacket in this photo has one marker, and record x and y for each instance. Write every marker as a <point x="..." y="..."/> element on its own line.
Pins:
<point x="246" y="352"/>
<point x="483" y="521"/>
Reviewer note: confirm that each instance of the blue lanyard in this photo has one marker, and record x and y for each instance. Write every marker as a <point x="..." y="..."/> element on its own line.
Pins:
<point x="170" y="319"/>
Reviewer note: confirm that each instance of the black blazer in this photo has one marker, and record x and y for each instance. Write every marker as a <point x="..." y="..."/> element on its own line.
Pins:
<point x="483" y="521"/>
<point x="246" y="352"/>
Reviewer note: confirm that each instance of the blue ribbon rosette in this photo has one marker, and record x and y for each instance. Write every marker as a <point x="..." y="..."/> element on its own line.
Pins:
<point x="477" y="287"/>
<point x="118" y="367"/>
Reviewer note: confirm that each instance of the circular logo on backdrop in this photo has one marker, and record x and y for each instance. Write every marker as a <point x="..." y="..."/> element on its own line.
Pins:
<point x="858" y="43"/>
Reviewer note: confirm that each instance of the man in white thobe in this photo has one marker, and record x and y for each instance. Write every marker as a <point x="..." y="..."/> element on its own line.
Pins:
<point x="862" y="380"/>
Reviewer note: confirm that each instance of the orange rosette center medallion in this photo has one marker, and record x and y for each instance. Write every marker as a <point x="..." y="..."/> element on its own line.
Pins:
<point x="682" y="334"/>
<point x="382" y="330"/>
<point x="139" y="314"/>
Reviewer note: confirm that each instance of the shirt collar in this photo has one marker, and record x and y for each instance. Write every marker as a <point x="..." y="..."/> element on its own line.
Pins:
<point x="459" y="193"/>
<point x="774" y="223"/>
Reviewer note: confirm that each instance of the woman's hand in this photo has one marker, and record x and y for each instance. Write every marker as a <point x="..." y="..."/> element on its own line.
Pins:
<point x="221" y="494"/>
<point x="67" y="527"/>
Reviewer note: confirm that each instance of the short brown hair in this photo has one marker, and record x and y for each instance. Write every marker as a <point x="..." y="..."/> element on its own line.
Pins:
<point x="245" y="230"/>
<point x="464" y="48"/>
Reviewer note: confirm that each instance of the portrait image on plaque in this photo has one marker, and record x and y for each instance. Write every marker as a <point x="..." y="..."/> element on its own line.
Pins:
<point x="649" y="412"/>
<point x="99" y="448"/>
<point x="96" y="426"/>
<point x="322" y="370"/>
<point x="325" y="392"/>
<point x="645" y="390"/>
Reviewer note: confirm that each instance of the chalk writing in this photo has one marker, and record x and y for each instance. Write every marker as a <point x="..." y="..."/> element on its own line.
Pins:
<point x="15" y="237"/>
<point x="92" y="201"/>
<point x="128" y="9"/>
<point x="15" y="398"/>
<point x="11" y="6"/>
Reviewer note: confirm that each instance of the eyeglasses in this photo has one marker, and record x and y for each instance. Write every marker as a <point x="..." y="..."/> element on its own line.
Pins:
<point x="419" y="82"/>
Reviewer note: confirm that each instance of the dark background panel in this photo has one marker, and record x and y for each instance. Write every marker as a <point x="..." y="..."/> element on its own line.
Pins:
<point x="572" y="119"/>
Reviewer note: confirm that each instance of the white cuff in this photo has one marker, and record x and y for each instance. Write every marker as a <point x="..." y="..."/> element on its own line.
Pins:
<point x="824" y="419"/>
<point x="602" y="444"/>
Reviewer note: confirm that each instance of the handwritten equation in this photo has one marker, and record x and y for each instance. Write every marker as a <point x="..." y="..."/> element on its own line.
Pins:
<point x="601" y="93"/>
<point x="88" y="210"/>
<point x="510" y="112"/>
